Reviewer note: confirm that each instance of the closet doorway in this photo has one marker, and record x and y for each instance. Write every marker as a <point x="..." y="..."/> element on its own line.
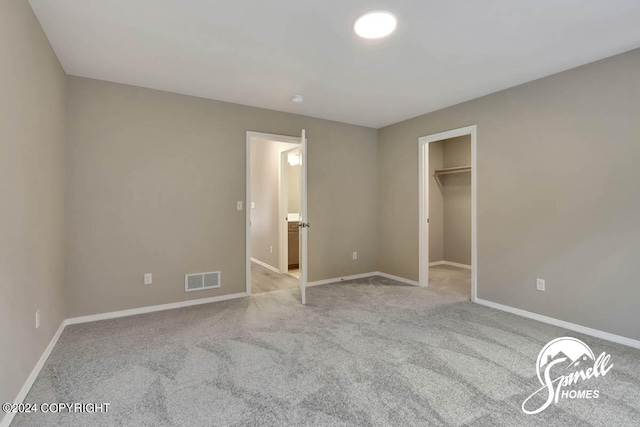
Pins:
<point x="448" y="211"/>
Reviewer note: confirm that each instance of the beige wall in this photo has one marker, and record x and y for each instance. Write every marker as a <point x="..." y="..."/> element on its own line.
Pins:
<point x="32" y="134"/>
<point x="456" y="190"/>
<point x="152" y="183"/>
<point x="265" y="180"/>
<point x="558" y="193"/>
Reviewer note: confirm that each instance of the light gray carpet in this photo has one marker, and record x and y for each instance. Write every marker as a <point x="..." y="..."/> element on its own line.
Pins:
<point x="365" y="352"/>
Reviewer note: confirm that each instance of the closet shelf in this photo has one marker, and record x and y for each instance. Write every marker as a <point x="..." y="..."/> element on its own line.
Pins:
<point x="448" y="171"/>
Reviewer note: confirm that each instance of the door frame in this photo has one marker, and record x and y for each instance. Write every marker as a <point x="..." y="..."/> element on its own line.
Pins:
<point x="423" y="203"/>
<point x="283" y="211"/>
<point x="251" y="135"/>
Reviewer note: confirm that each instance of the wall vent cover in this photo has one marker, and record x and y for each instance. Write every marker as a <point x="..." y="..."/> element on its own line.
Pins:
<point x="201" y="281"/>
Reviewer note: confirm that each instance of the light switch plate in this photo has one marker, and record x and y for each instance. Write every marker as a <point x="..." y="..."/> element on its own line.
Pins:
<point x="148" y="279"/>
<point x="540" y="285"/>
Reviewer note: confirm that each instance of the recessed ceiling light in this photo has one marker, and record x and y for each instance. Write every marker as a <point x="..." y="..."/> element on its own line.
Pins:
<point x="375" y="25"/>
<point x="297" y="98"/>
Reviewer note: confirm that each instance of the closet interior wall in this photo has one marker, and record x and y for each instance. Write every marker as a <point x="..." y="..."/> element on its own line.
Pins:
<point x="450" y="202"/>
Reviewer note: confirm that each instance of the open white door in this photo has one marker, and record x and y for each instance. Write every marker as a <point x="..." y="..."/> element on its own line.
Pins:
<point x="304" y="225"/>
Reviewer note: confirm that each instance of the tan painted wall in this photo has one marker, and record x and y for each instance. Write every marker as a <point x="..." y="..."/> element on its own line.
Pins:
<point x="558" y="193"/>
<point x="456" y="190"/>
<point x="153" y="179"/>
<point x="32" y="134"/>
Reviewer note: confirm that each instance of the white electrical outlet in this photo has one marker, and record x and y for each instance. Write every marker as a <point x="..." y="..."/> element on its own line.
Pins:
<point x="37" y="319"/>
<point x="355" y="255"/>
<point x="148" y="279"/>
<point x="253" y="205"/>
<point x="271" y="249"/>
<point x="540" y="285"/>
<point x="239" y="205"/>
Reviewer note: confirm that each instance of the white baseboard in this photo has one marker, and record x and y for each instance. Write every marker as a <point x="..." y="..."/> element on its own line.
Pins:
<point x="6" y="421"/>
<point x="152" y="308"/>
<point x="265" y="265"/>
<point x="562" y="324"/>
<point x="342" y="279"/>
<point x="452" y="264"/>
<point x="398" y="278"/>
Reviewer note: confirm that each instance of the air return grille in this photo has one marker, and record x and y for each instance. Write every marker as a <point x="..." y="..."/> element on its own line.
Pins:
<point x="201" y="281"/>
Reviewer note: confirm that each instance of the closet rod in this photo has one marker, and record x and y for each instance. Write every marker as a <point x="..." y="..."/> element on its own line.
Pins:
<point x="448" y="171"/>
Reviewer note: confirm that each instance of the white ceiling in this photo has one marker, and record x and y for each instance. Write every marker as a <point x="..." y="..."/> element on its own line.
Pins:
<point x="260" y="52"/>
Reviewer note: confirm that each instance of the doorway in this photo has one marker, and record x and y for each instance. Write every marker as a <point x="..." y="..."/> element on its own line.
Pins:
<point x="448" y="211"/>
<point x="289" y="209"/>
<point x="276" y="207"/>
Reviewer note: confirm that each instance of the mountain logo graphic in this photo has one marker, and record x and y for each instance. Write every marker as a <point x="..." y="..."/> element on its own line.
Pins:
<point x="566" y="347"/>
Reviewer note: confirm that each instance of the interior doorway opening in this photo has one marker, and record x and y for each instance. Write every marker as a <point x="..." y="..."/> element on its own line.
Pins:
<point x="448" y="210"/>
<point x="276" y="209"/>
<point x="290" y="207"/>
